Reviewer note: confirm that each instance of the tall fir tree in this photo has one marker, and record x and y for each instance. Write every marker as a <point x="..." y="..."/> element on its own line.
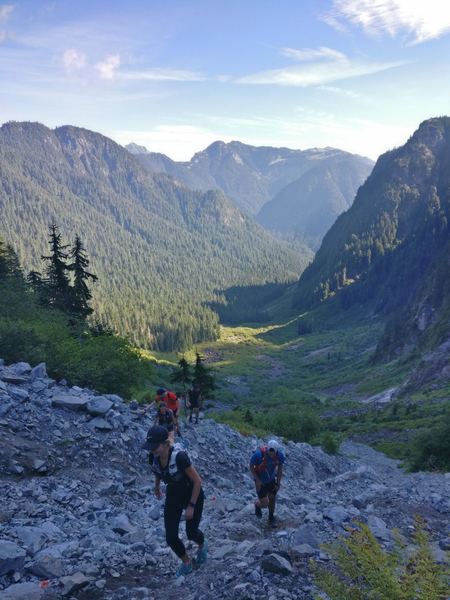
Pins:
<point x="3" y="261"/>
<point x="183" y="374"/>
<point x="203" y="376"/>
<point x="80" y="293"/>
<point x="57" y="285"/>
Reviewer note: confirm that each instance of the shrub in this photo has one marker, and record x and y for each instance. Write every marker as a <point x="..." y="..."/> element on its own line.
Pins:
<point x="329" y="443"/>
<point x="363" y="570"/>
<point x="299" y="427"/>
<point x="431" y="449"/>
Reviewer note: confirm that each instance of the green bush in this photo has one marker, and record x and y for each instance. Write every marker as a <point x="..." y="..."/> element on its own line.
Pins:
<point x="329" y="443"/>
<point x="299" y="427"/>
<point x="364" y="571"/>
<point x="431" y="449"/>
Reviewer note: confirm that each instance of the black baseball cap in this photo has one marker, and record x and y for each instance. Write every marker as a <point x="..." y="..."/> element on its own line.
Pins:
<point x="156" y="435"/>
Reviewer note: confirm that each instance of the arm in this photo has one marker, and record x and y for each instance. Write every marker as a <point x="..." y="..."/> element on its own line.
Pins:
<point x="157" y="490"/>
<point x="193" y="475"/>
<point x="279" y="474"/>
<point x="255" y="476"/>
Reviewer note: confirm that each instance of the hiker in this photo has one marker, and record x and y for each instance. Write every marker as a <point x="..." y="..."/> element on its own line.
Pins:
<point x="172" y="465"/>
<point x="195" y="401"/>
<point x="266" y="467"/>
<point x="165" y="418"/>
<point x="170" y="399"/>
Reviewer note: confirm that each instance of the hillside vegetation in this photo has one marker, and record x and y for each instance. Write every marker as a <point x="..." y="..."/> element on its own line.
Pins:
<point x="159" y="249"/>
<point x="300" y="192"/>
<point x="391" y="248"/>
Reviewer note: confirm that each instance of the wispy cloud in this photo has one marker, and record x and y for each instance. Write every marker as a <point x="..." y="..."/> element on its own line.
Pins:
<point x="107" y="67"/>
<point x="5" y="11"/>
<point x="74" y="59"/>
<point x="322" y="52"/>
<point x="158" y="74"/>
<point x="340" y="92"/>
<point x="319" y="66"/>
<point x="417" y="20"/>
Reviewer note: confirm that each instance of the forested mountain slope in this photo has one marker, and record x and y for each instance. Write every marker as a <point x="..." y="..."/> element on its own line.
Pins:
<point x="309" y="206"/>
<point x="251" y="176"/>
<point x="392" y="246"/>
<point x="158" y="248"/>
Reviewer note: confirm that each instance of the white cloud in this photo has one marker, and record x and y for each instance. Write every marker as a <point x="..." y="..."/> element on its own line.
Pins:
<point x="313" y="53"/>
<point x="73" y="59"/>
<point x="339" y="91"/>
<point x="107" y="68"/>
<point x="179" y="142"/>
<point x="418" y="20"/>
<point x="323" y="65"/>
<point x="162" y="75"/>
<point x="5" y="11"/>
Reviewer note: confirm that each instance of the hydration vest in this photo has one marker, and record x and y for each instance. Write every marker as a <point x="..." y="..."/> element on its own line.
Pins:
<point x="263" y="464"/>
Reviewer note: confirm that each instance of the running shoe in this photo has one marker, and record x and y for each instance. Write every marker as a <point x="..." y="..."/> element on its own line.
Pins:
<point x="202" y="555"/>
<point x="184" y="569"/>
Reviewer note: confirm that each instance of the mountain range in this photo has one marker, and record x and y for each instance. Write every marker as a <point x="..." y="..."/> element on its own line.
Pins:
<point x="160" y="249"/>
<point x="392" y="247"/>
<point x="296" y="192"/>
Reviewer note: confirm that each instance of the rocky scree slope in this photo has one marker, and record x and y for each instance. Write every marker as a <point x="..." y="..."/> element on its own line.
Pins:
<point x="78" y="519"/>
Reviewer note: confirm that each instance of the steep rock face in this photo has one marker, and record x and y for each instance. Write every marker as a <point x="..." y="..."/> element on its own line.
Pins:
<point x="78" y="507"/>
<point x="252" y="176"/>
<point x="390" y="246"/>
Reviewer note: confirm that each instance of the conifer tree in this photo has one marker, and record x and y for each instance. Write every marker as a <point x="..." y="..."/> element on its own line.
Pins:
<point x="57" y="282"/>
<point x="182" y="374"/>
<point x="9" y="262"/>
<point x="80" y="293"/>
<point x="3" y="262"/>
<point x="203" y="376"/>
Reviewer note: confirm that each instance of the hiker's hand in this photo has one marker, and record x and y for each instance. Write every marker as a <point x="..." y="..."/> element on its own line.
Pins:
<point x="189" y="513"/>
<point x="158" y="493"/>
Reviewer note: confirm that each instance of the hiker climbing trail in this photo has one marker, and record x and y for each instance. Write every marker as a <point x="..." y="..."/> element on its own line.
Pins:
<point x="78" y="510"/>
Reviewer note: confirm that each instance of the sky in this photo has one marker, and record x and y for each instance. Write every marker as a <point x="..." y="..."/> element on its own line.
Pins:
<point x="176" y="75"/>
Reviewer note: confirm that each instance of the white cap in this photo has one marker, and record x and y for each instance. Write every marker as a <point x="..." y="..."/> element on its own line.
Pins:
<point x="273" y="444"/>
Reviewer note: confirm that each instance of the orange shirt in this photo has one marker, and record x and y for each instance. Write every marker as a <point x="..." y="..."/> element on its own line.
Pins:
<point x="170" y="399"/>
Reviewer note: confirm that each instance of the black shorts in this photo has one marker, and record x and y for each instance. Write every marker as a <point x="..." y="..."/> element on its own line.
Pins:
<point x="267" y="488"/>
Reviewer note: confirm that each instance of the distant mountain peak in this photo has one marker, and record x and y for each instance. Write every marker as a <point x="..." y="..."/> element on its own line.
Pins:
<point x="136" y="148"/>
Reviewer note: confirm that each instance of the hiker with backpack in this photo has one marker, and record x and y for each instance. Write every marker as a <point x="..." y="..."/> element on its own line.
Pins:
<point x="170" y="399"/>
<point x="172" y="465"/>
<point x="165" y="418"/>
<point x="266" y="467"/>
<point x="195" y="401"/>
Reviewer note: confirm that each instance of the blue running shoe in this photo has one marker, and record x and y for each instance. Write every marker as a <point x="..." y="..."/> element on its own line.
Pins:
<point x="202" y="555"/>
<point x="184" y="569"/>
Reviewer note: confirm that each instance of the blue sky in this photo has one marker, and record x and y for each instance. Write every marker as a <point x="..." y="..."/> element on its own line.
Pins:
<point x="176" y="75"/>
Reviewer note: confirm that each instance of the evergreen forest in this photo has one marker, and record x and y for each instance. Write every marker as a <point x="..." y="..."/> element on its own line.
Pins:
<point x="159" y="249"/>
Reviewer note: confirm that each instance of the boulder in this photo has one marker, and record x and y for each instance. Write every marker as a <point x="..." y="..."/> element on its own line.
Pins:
<point x="69" y="402"/>
<point x="31" y="590"/>
<point x="305" y="535"/>
<point x="274" y="563"/>
<point x="74" y="582"/>
<point x="100" y="423"/>
<point x="12" y="557"/>
<point x="39" y="372"/>
<point x="379" y="528"/>
<point x="99" y="406"/>
<point x="33" y="538"/>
